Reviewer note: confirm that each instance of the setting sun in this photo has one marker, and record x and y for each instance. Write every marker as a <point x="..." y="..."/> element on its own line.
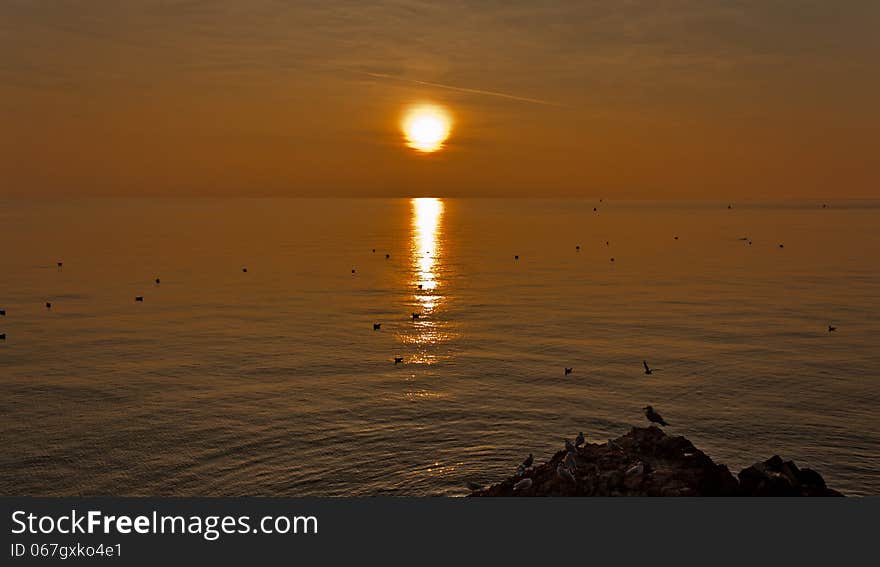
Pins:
<point x="426" y="127"/>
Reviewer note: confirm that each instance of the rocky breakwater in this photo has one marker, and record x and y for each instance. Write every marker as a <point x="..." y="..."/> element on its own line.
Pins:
<point x="647" y="462"/>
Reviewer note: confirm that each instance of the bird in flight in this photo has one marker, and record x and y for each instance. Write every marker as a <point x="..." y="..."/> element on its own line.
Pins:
<point x="648" y="369"/>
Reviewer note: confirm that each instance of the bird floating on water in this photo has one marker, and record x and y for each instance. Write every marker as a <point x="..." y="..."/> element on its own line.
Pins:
<point x="568" y="371"/>
<point x="578" y="247"/>
<point x="139" y="298"/>
<point x="352" y="270"/>
<point x="60" y="265"/>
<point x="398" y="359"/>
<point x="377" y="326"/>
<point x="421" y="286"/>
<point x="516" y="257"/>
<point x="244" y="270"/>
<point x="782" y="245"/>
<point x="3" y="312"/>
<point x="654" y="417"/>
<point x="416" y="316"/>
<point x="648" y="369"/>
<point x="158" y="281"/>
<point x="387" y="256"/>
<point x="48" y="305"/>
<point x="2" y="336"/>
<point x="524" y="484"/>
<point x="580" y="439"/>
<point x="831" y="328"/>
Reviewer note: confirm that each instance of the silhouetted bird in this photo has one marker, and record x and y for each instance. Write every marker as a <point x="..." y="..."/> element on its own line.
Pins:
<point x="352" y="270"/>
<point x="420" y="286"/>
<point x="831" y="329"/>
<point x="607" y="243"/>
<point x="398" y="359"/>
<point x="60" y="265"/>
<point x="570" y="462"/>
<point x="48" y="305"/>
<point x="416" y="316"/>
<point x="580" y="439"/>
<point x="595" y="210"/>
<point x="158" y="281"/>
<point x="3" y="312"/>
<point x="516" y="257"/>
<point x="782" y="245"/>
<point x="528" y="462"/>
<point x="568" y="371"/>
<point x="565" y="474"/>
<point x="729" y="206"/>
<point x="675" y="238"/>
<point x="524" y="484"/>
<point x="654" y="417"/>
<point x="578" y="247"/>
<point x="2" y="336"/>
<point x="647" y="368"/>
<point x="139" y="298"/>
<point x="374" y="250"/>
<point x="244" y="270"/>
<point x="387" y="256"/>
<point x="377" y="326"/>
<point x="612" y="259"/>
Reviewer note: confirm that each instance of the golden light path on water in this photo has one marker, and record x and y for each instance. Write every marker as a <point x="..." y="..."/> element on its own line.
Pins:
<point x="427" y="215"/>
<point x="426" y="255"/>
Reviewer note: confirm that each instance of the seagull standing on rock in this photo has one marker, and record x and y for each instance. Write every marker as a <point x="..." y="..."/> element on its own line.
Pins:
<point x="565" y="474"/>
<point x="654" y="417"/>
<point x="580" y="439"/>
<point x="570" y="462"/>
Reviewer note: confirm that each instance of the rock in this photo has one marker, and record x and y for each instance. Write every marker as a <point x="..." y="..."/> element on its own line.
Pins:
<point x="660" y="465"/>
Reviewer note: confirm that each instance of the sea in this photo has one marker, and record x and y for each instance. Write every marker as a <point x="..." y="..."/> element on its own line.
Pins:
<point x="273" y="381"/>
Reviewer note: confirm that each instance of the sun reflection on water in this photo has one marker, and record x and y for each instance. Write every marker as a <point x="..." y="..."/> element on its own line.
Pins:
<point x="426" y="252"/>
<point x="426" y="257"/>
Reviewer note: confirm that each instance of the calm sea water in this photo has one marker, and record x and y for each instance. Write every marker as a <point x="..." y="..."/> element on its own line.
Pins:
<point x="273" y="382"/>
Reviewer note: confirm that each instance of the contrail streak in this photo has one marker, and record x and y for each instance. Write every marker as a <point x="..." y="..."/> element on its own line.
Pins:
<point x="461" y="89"/>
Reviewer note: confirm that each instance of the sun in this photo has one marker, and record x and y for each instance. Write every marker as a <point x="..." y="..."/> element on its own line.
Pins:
<point x="426" y="127"/>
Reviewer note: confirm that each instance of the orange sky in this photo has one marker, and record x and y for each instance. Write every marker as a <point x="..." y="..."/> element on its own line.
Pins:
<point x="638" y="99"/>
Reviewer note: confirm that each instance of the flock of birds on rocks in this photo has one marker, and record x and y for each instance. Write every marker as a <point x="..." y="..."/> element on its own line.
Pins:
<point x="567" y="468"/>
